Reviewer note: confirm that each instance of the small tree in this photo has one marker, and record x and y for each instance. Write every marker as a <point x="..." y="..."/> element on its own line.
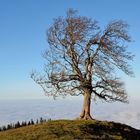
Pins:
<point x="41" y="120"/>
<point x="23" y="123"/>
<point x="29" y="123"/>
<point x="4" y="128"/>
<point x="17" y="125"/>
<point x="32" y="122"/>
<point x="82" y="59"/>
<point x="9" y="126"/>
<point x="37" y="122"/>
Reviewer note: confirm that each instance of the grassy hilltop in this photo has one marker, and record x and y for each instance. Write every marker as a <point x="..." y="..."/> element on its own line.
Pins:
<point x="73" y="130"/>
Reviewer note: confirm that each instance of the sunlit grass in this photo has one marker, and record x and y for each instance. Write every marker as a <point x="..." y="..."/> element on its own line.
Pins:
<point x="72" y="129"/>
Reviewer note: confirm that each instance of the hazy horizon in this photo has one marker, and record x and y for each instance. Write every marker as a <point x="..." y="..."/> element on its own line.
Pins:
<point x="25" y="110"/>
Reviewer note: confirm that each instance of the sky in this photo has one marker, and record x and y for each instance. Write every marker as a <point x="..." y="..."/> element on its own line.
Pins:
<point x="23" y="24"/>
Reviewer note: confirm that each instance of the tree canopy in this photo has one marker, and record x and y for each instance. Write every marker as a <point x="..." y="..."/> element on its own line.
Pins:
<point x="83" y="59"/>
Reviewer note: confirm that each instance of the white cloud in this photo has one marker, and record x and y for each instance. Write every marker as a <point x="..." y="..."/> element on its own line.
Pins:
<point x="13" y="111"/>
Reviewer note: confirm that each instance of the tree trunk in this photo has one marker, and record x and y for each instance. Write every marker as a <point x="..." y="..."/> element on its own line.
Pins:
<point x="85" y="113"/>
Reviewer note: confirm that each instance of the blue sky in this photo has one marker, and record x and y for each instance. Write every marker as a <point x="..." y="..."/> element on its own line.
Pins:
<point x="23" y="24"/>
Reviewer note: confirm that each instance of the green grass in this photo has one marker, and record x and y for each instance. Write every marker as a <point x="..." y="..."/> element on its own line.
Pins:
<point x="73" y="130"/>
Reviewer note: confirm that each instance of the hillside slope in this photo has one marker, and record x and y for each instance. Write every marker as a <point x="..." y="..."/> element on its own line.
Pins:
<point x="73" y="129"/>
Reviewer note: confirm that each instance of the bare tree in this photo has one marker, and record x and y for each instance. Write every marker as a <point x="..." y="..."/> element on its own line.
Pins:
<point x="82" y="60"/>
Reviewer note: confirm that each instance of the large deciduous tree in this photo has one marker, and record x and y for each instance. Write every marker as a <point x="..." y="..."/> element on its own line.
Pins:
<point x="82" y="60"/>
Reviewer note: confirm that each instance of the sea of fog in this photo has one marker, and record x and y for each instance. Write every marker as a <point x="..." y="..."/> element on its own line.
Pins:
<point x="12" y="111"/>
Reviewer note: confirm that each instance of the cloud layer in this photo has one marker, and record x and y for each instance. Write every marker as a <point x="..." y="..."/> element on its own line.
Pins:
<point x="20" y="110"/>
